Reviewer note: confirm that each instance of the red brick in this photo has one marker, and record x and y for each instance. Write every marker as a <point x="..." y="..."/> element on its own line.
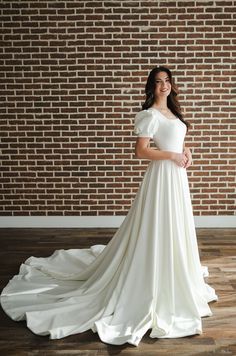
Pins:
<point x="69" y="101"/>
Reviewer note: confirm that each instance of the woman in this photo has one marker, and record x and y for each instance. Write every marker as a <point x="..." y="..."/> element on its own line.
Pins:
<point x="149" y="275"/>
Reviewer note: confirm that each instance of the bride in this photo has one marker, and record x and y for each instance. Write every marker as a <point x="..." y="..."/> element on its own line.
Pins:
<point x="149" y="275"/>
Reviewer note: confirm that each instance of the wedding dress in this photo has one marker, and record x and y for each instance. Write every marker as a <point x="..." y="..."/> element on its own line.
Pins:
<point x="148" y="276"/>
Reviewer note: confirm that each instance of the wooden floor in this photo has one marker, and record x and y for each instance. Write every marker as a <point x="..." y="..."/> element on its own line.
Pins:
<point x="217" y="249"/>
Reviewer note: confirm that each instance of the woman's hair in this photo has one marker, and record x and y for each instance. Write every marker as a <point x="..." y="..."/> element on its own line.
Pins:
<point x="172" y="101"/>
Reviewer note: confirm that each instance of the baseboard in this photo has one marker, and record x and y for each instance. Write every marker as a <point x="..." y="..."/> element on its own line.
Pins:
<point x="100" y="221"/>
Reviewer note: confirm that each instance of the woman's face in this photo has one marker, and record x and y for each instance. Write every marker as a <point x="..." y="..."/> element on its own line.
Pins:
<point x="163" y="85"/>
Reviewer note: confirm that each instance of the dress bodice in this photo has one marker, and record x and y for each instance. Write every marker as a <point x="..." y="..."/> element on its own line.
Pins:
<point x="168" y="134"/>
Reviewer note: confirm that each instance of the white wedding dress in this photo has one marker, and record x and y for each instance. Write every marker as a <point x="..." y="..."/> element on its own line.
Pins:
<point x="148" y="276"/>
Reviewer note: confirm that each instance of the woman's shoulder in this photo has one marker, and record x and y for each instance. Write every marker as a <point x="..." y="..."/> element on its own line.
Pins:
<point x="146" y="123"/>
<point x="145" y="113"/>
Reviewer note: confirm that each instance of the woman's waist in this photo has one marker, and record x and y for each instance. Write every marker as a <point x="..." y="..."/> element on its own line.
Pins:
<point x="168" y="148"/>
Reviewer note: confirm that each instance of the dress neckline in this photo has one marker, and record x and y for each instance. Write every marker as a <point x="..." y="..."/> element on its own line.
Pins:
<point x="164" y="115"/>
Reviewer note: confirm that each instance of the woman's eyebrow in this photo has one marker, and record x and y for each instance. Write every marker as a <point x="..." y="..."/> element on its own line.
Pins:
<point x="161" y="79"/>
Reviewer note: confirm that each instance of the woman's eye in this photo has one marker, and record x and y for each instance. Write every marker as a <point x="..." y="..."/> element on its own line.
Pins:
<point x="159" y="81"/>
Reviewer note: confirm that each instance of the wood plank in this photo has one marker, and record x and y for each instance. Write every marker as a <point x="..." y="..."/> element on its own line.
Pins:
<point x="217" y="249"/>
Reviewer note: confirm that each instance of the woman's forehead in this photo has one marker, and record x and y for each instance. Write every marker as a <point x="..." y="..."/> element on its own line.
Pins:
<point x="162" y="75"/>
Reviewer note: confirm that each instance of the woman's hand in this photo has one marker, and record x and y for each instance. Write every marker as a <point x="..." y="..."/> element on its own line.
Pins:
<point x="180" y="159"/>
<point x="188" y="154"/>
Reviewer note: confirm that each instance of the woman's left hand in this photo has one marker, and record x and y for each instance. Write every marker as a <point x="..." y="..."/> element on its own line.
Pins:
<point x="188" y="154"/>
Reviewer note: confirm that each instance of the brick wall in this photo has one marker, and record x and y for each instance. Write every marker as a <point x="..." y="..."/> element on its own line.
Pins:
<point x="72" y="78"/>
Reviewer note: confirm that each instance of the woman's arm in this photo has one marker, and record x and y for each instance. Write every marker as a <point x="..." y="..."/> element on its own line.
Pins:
<point x="142" y="150"/>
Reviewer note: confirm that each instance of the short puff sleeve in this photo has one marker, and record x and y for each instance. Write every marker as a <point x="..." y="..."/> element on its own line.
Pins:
<point x="145" y="124"/>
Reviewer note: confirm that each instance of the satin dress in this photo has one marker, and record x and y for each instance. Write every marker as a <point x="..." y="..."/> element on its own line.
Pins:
<point x="149" y="275"/>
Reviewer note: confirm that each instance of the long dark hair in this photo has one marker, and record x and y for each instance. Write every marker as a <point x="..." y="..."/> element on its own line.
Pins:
<point x="172" y="101"/>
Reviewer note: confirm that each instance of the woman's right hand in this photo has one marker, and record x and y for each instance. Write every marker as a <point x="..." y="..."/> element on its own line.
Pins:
<point x="179" y="158"/>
